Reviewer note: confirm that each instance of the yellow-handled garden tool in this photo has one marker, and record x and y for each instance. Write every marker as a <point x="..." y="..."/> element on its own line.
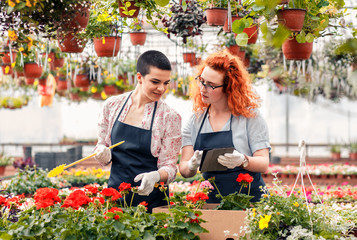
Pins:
<point x="58" y="170"/>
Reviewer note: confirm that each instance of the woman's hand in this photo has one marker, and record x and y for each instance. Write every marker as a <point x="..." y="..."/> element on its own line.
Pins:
<point x="231" y="160"/>
<point x="104" y="155"/>
<point x="148" y="181"/>
<point x="195" y="160"/>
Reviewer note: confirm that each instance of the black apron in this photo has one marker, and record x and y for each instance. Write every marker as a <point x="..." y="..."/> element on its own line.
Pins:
<point x="132" y="158"/>
<point x="226" y="180"/>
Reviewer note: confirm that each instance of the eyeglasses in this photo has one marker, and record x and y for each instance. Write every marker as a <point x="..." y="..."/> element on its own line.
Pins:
<point x="208" y="87"/>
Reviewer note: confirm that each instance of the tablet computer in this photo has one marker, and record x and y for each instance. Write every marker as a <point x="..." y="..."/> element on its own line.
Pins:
<point x="209" y="161"/>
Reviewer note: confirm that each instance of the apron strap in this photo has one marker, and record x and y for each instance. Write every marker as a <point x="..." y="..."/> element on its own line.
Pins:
<point x="124" y="105"/>
<point x="203" y="120"/>
<point x="153" y="116"/>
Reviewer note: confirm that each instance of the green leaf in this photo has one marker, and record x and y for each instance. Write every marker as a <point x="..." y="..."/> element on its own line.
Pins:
<point x="238" y="26"/>
<point x="309" y="38"/>
<point x="280" y="36"/>
<point x="300" y="38"/>
<point x="162" y="3"/>
<point x="242" y="39"/>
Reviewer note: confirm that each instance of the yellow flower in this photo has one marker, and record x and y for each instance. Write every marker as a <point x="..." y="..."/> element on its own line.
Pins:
<point x="7" y="69"/>
<point x="254" y="212"/>
<point x="265" y="195"/>
<point x="21" y="49"/>
<point x="277" y="213"/>
<point x="11" y="3"/>
<point x="296" y="204"/>
<point x="104" y="96"/>
<point x="12" y="35"/>
<point x="173" y="90"/>
<point x="17" y="1"/>
<point x="103" y="40"/>
<point x="28" y="3"/>
<point x="264" y="221"/>
<point x="30" y="43"/>
<point x="13" y="64"/>
<point x="94" y="89"/>
<point x="49" y="60"/>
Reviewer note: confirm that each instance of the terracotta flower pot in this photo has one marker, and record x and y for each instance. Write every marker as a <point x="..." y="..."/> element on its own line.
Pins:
<point x="97" y="95"/>
<point x="353" y="156"/>
<point x="110" y="90"/>
<point x="225" y="27"/>
<point x="292" y="18"/>
<point x="241" y="55"/>
<point x="32" y="70"/>
<point x="42" y="81"/>
<point x="6" y="58"/>
<point x="79" y="20"/>
<point x="29" y="81"/>
<point x="70" y="44"/>
<point x="74" y="97"/>
<point x="336" y="156"/>
<point x="293" y="50"/>
<point x="105" y="48"/>
<point x="252" y="33"/>
<point x="62" y="85"/>
<point x="189" y="57"/>
<point x="132" y="7"/>
<point x="2" y="170"/>
<point x="58" y="62"/>
<point x="216" y="16"/>
<point x="81" y="80"/>
<point x="284" y="2"/>
<point x="137" y="38"/>
<point x="234" y="49"/>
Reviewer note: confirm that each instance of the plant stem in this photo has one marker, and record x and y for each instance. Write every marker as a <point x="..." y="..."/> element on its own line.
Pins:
<point x="219" y="193"/>
<point x="132" y="198"/>
<point x="240" y="189"/>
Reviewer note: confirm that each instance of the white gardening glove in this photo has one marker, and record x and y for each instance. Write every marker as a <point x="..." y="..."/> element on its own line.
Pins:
<point x="231" y="160"/>
<point x="104" y="155"/>
<point x="195" y="160"/>
<point x="148" y="181"/>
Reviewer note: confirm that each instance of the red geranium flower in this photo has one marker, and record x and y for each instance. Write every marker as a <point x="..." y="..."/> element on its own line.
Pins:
<point x="195" y="220"/>
<point x="111" y="192"/>
<point x="113" y="210"/>
<point x="143" y="203"/>
<point x="124" y="186"/>
<point x="76" y="199"/>
<point x="91" y="188"/>
<point x="100" y="199"/>
<point x="197" y="196"/>
<point x="244" y="178"/>
<point x="46" y="197"/>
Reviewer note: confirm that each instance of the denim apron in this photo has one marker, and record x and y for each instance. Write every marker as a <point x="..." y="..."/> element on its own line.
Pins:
<point x="226" y="180"/>
<point x="132" y="158"/>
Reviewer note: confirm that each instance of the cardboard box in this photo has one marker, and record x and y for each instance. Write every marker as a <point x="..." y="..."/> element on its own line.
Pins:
<point x="218" y="222"/>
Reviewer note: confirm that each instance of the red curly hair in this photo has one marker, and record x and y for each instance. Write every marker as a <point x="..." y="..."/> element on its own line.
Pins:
<point x="242" y="100"/>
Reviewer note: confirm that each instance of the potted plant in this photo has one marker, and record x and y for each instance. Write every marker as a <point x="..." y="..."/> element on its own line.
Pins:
<point x="216" y="11"/>
<point x="185" y="20"/>
<point x="299" y="45"/>
<point x="353" y="150"/>
<point x="4" y="161"/>
<point x="138" y="36"/>
<point x="335" y="150"/>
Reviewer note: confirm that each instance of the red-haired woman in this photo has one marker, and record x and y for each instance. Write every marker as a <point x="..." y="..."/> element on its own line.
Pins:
<point x="226" y="115"/>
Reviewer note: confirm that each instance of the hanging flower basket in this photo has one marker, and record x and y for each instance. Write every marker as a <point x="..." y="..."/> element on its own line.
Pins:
<point x="293" y="50"/>
<point x="292" y="18"/>
<point x="57" y="63"/>
<point x="225" y="27"/>
<point x="62" y="85"/>
<point x="32" y="70"/>
<point x="110" y="90"/>
<point x="6" y="58"/>
<point x="104" y="47"/>
<point x="189" y="57"/>
<point x="80" y="19"/>
<point x="216" y="16"/>
<point x="70" y="44"/>
<point x="131" y="8"/>
<point x="252" y="33"/>
<point x="81" y="81"/>
<point x="137" y="38"/>
<point x="29" y="81"/>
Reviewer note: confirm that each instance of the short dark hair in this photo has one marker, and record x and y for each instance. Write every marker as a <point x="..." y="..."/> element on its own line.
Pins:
<point x="152" y="58"/>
